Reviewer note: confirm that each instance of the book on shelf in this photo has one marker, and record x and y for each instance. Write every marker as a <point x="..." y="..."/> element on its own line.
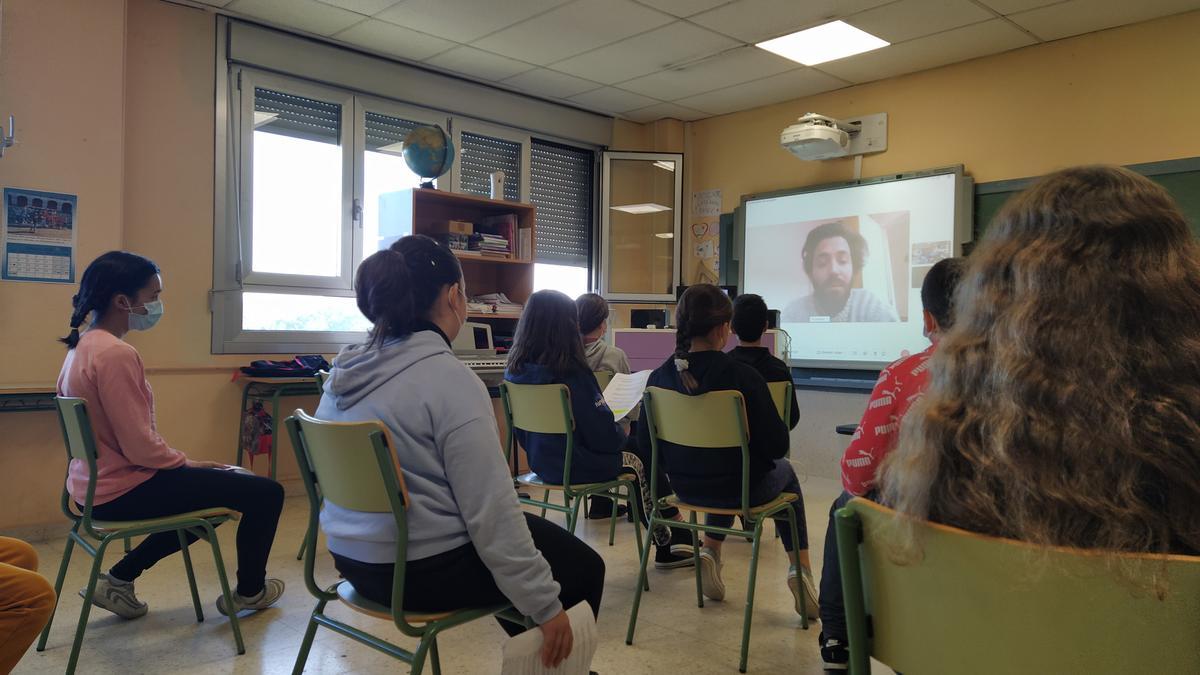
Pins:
<point x="525" y="243"/>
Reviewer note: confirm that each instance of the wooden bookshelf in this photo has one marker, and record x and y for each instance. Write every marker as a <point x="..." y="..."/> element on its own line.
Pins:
<point x="425" y="211"/>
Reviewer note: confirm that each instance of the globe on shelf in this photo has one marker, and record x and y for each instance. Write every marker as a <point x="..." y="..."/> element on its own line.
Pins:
<point x="428" y="152"/>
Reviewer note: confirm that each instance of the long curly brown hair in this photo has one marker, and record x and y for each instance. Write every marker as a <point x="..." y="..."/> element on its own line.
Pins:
<point x="1064" y="405"/>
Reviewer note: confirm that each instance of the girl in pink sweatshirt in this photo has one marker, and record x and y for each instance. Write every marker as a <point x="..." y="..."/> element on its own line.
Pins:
<point x="138" y="475"/>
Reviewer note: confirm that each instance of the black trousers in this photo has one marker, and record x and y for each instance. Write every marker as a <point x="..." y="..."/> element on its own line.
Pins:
<point x="833" y="608"/>
<point x="458" y="578"/>
<point x="173" y="491"/>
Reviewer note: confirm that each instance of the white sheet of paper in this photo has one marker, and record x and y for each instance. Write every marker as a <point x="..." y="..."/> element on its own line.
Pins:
<point x="522" y="654"/>
<point x="624" y="392"/>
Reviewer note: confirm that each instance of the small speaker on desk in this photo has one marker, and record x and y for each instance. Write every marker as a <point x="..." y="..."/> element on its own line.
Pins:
<point x="648" y="318"/>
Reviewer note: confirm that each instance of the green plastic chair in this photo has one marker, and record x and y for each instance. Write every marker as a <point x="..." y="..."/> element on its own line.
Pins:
<point x="321" y="376"/>
<point x="354" y="466"/>
<point x="711" y="422"/>
<point x="546" y="409"/>
<point x="782" y="394"/>
<point x="603" y="377"/>
<point x="985" y="605"/>
<point x="81" y="444"/>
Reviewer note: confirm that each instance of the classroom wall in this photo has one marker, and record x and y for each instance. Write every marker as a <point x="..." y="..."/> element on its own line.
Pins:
<point x="1119" y="96"/>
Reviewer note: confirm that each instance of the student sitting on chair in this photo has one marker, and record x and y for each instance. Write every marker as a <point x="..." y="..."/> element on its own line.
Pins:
<point x="26" y="601"/>
<point x="1064" y="403"/>
<point x="714" y="479"/>
<point x="601" y="358"/>
<point x="749" y="324"/>
<point x="547" y="349"/>
<point x="899" y="386"/>
<point x="139" y="476"/>
<point x="469" y="544"/>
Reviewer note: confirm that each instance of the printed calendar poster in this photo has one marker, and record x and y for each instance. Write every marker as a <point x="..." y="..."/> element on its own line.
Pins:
<point x="39" y="236"/>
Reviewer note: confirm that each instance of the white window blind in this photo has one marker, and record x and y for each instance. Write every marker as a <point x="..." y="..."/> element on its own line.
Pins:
<point x="278" y="112"/>
<point x="561" y="181"/>
<point x="384" y="130"/>
<point x="482" y="155"/>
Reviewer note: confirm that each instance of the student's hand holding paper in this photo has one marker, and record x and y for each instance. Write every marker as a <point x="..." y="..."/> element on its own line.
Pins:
<point x="557" y="640"/>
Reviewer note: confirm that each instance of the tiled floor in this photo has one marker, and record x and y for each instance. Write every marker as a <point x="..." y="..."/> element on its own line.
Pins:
<point x="673" y="636"/>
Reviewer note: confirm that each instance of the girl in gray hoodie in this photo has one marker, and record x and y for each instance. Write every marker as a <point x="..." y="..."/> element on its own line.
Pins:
<point x="469" y="543"/>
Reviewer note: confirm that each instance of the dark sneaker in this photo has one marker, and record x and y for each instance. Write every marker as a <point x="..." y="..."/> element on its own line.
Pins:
<point x="117" y="597"/>
<point x="600" y="508"/>
<point x="834" y="654"/>
<point x="665" y="559"/>
<point x="681" y="542"/>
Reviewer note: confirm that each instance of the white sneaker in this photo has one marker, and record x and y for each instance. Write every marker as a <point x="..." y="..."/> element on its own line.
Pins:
<point x="117" y="597"/>
<point x="710" y="574"/>
<point x="803" y="589"/>
<point x="268" y="596"/>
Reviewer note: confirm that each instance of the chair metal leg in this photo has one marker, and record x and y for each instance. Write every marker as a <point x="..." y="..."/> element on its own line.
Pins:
<point x="97" y="560"/>
<point x="128" y="546"/>
<point x="418" y="661"/>
<point x="58" y="584"/>
<point x="696" y="562"/>
<point x="187" y="565"/>
<point x="612" y="520"/>
<point x="241" y="415"/>
<point x="637" y="593"/>
<point x="303" y="543"/>
<point x="433" y="657"/>
<point x="545" y="498"/>
<point x="635" y="509"/>
<point x="750" y="596"/>
<point x="234" y="623"/>
<point x="274" y="430"/>
<point x="306" y="643"/>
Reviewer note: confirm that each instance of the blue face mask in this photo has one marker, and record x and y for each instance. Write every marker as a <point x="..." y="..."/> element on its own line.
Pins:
<point x="154" y="312"/>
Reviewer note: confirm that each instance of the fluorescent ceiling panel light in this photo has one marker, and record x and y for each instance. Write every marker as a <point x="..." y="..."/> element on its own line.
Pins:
<point x="261" y="118"/>
<point x="642" y="208"/>
<point x="665" y="235"/>
<point x="827" y="42"/>
<point x="392" y="148"/>
<point x="664" y="164"/>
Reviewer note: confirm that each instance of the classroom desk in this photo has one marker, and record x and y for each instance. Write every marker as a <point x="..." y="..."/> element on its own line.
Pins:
<point x="271" y="389"/>
<point x="27" y="398"/>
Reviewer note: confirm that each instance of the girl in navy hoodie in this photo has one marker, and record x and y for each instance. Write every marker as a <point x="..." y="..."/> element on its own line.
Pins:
<point x="547" y="349"/>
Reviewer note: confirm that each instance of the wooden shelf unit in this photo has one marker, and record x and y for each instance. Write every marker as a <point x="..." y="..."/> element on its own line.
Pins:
<point x="425" y="209"/>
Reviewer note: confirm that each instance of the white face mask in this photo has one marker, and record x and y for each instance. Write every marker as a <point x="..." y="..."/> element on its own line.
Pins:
<point x="154" y="312"/>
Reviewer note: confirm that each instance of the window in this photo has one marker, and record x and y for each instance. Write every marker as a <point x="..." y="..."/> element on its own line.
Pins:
<point x="316" y="182"/>
<point x="562" y="179"/>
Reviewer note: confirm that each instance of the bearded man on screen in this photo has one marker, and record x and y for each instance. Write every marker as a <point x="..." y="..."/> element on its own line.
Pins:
<point x="833" y="255"/>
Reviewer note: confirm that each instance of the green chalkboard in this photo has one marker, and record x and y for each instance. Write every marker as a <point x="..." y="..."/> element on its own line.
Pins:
<point x="1181" y="177"/>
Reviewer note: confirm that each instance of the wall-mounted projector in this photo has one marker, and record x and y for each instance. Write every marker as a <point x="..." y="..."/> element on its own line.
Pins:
<point x="816" y="137"/>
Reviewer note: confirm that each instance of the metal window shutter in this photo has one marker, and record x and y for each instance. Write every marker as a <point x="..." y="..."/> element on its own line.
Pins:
<point x="561" y="183"/>
<point x="298" y="116"/>
<point x="482" y="155"/>
<point x="384" y="130"/>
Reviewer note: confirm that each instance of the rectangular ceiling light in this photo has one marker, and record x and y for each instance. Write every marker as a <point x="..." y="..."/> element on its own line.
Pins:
<point x="827" y="42"/>
<point x="665" y="235"/>
<point x="261" y="118"/>
<point x="392" y="148"/>
<point x="664" y="164"/>
<point x="642" y="208"/>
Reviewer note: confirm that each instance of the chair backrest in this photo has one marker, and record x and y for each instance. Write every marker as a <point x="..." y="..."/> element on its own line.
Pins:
<point x="977" y="604"/>
<point x="603" y="377"/>
<point x="781" y="395"/>
<point x="538" y="408"/>
<point x="76" y="429"/>
<point x="353" y="463"/>
<point x="713" y="420"/>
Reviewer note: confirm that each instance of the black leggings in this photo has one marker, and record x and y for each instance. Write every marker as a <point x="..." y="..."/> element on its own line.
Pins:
<point x="173" y="491"/>
<point x="458" y="578"/>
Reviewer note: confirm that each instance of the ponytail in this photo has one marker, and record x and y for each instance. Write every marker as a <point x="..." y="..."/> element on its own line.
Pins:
<point x="396" y="287"/>
<point x="114" y="273"/>
<point x="702" y="308"/>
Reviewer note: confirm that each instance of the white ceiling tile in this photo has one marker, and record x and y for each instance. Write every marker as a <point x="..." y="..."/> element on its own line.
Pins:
<point x="305" y="15"/>
<point x="757" y="20"/>
<point x="478" y="63"/>
<point x="908" y="19"/>
<point x="612" y="100"/>
<point x="546" y="82"/>
<point x="395" y="40"/>
<point x="464" y="20"/>
<point x="782" y="87"/>
<point x="724" y="70"/>
<point x="682" y="8"/>
<point x="646" y="53"/>
<point x="573" y="29"/>
<point x="367" y="7"/>
<point x="1012" y="6"/>
<point x="661" y="110"/>
<point x="960" y="44"/>
<point x="1076" y="17"/>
